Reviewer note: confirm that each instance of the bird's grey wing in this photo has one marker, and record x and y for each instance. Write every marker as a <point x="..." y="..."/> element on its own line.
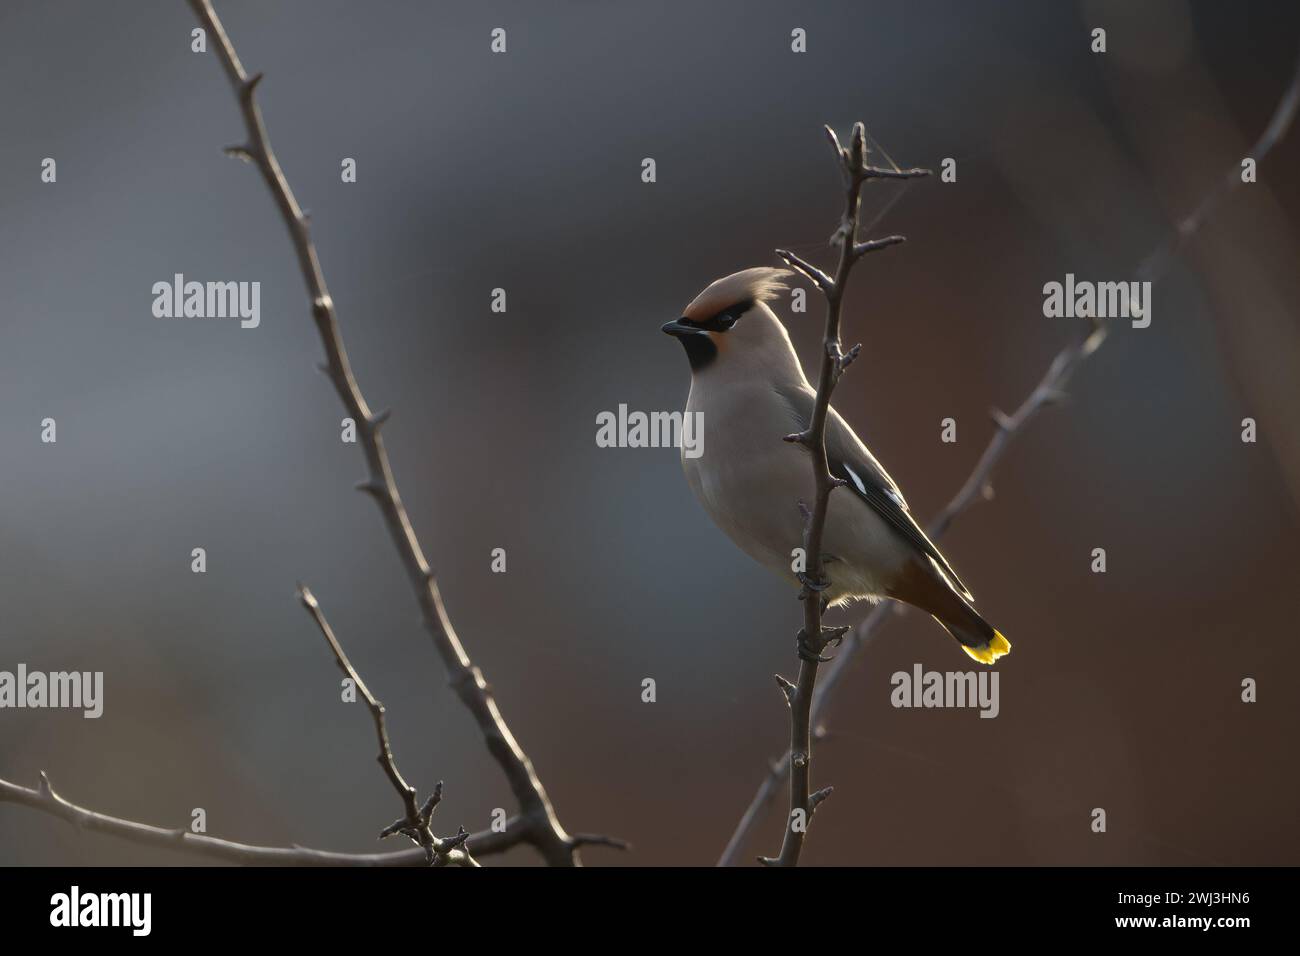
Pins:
<point x="850" y="460"/>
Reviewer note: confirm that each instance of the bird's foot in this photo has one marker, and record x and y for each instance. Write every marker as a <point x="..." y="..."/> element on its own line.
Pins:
<point x="812" y="583"/>
<point x="834" y="636"/>
<point x="812" y="651"/>
<point x="807" y="651"/>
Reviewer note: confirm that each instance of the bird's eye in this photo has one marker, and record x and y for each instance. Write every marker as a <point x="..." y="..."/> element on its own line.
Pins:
<point x="725" y="320"/>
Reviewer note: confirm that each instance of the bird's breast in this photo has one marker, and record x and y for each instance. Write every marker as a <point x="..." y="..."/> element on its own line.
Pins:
<point x="750" y="482"/>
<point x="748" y="479"/>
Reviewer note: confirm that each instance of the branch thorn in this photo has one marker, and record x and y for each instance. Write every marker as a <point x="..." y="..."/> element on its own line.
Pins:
<point x="807" y="269"/>
<point x="860" y="249"/>
<point x="787" y="688"/>
<point x="369" y="487"/>
<point x="848" y="357"/>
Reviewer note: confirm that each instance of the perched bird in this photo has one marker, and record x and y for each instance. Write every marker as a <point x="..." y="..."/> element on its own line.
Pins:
<point x="747" y="382"/>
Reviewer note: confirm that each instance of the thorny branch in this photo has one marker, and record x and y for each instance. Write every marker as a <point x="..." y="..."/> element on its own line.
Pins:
<point x="44" y="799"/>
<point x="978" y="485"/>
<point x="813" y="638"/>
<point x="541" y="827"/>
<point x="417" y="822"/>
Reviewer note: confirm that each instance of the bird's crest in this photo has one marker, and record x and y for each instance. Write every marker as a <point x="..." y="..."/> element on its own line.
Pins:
<point x="749" y="285"/>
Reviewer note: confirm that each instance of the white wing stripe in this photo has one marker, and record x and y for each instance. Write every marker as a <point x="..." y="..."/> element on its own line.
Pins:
<point x="862" y="489"/>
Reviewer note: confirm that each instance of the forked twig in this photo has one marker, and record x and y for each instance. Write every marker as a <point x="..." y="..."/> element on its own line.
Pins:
<point x="417" y="821"/>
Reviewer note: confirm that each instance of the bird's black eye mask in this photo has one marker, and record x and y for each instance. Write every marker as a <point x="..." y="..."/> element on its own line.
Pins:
<point x="701" y="349"/>
<point x="723" y="321"/>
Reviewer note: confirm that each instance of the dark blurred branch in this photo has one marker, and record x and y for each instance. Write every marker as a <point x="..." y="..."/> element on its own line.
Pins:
<point x="417" y="823"/>
<point x="1155" y="264"/>
<point x="541" y="827"/>
<point x="813" y="638"/>
<point x="978" y="485"/>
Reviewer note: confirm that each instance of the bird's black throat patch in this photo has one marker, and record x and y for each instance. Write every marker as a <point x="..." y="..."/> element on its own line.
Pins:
<point x="700" y="350"/>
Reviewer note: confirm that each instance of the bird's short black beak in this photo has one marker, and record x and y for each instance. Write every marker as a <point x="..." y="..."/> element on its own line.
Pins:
<point x="698" y="343"/>
<point x="678" y="329"/>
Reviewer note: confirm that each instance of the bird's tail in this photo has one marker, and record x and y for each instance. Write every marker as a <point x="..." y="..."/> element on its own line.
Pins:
<point x="977" y="637"/>
<point x="926" y="586"/>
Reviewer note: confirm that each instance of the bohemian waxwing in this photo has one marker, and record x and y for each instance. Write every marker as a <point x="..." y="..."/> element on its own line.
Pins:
<point x="747" y="382"/>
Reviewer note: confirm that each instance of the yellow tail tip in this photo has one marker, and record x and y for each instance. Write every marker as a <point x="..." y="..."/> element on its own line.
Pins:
<point x="998" y="647"/>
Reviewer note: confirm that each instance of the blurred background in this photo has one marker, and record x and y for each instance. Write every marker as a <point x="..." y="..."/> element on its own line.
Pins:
<point x="522" y="171"/>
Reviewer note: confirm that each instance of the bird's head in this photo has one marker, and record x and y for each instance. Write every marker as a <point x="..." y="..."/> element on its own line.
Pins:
<point x="729" y="327"/>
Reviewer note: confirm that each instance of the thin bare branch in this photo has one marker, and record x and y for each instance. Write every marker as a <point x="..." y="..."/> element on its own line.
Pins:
<point x="978" y="484"/>
<point x="878" y="172"/>
<point x="813" y="638"/>
<point x="44" y="799"/>
<point x="1155" y="264"/>
<point x="860" y="249"/>
<point x="600" y="839"/>
<point x="417" y="823"/>
<point x="805" y="268"/>
<point x="542" y="828"/>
